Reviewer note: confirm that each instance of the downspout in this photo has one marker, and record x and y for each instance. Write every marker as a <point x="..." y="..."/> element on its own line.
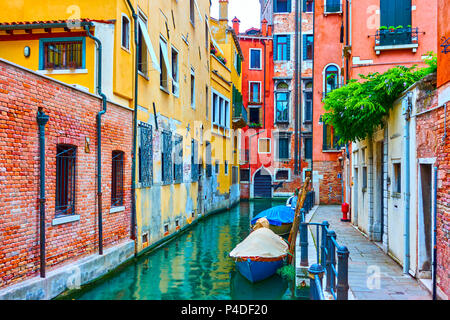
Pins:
<point x="264" y="90"/>
<point x="313" y="85"/>
<point x="99" y="138"/>
<point x="407" y="114"/>
<point x="347" y="69"/>
<point x="296" y="124"/>
<point x="133" y="164"/>
<point x="300" y="95"/>
<point x="42" y="120"/>
<point x="435" y="234"/>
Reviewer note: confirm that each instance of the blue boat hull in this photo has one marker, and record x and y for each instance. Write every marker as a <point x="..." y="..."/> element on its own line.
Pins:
<point x="258" y="270"/>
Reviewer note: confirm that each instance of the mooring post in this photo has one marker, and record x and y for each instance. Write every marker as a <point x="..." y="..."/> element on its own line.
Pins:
<point x="342" y="281"/>
<point x="316" y="272"/>
<point x="331" y="260"/>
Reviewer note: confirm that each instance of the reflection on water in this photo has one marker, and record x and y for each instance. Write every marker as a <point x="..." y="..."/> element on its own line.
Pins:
<point x="193" y="266"/>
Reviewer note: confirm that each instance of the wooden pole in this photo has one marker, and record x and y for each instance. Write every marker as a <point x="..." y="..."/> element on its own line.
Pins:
<point x="295" y="225"/>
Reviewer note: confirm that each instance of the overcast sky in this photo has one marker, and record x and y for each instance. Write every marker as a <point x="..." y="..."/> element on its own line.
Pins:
<point x="248" y="11"/>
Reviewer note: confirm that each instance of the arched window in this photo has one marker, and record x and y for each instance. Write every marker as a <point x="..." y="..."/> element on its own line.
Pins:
<point x="331" y="78"/>
<point x="125" y="32"/>
<point x="282" y="103"/>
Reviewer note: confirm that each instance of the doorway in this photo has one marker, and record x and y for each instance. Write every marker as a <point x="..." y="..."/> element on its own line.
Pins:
<point x="425" y="220"/>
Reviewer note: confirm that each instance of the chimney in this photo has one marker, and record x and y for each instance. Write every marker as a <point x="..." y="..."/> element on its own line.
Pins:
<point x="223" y="10"/>
<point x="269" y="30"/>
<point x="236" y="23"/>
<point x="264" y="28"/>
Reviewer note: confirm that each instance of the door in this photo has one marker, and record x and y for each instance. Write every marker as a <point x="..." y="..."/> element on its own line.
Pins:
<point x="262" y="184"/>
<point x="425" y="221"/>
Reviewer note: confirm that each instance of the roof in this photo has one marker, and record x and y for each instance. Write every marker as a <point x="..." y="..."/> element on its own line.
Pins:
<point x="47" y="24"/>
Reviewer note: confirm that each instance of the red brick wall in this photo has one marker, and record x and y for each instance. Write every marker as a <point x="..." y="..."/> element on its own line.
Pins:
<point x="330" y="184"/>
<point x="72" y="119"/>
<point x="430" y="132"/>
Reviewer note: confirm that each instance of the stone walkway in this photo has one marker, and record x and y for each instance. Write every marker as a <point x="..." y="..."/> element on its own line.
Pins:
<point x="373" y="275"/>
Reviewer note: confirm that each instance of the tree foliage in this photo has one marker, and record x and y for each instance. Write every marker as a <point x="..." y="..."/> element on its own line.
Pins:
<point x="357" y="109"/>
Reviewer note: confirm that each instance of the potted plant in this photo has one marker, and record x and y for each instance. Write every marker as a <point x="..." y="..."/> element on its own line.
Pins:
<point x="50" y="66"/>
<point x="391" y="29"/>
<point x="213" y="50"/>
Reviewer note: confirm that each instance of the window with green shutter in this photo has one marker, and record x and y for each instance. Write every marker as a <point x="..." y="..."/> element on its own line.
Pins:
<point x="282" y="50"/>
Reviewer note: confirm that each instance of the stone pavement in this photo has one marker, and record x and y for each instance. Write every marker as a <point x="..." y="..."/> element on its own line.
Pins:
<point x="373" y="275"/>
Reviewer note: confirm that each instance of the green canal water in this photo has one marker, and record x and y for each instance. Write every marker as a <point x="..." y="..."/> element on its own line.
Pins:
<point x="193" y="266"/>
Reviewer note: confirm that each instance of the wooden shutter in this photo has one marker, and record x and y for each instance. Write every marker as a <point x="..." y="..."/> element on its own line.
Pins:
<point x="167" y="157"/>
<point x="145" y="155"/>
<point x="395" y="13"/>
<point x="289" y="6"/>
<point x="305" y="47"/>
<point x="275" y="48"/>
<point x="304" y="5"/>
<point x="288" y="47"/>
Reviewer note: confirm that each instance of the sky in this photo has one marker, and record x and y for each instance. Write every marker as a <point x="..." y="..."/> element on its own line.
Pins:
<point x="248" y="11"/>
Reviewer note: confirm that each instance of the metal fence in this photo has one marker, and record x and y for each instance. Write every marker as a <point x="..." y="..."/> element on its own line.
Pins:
<point x="332" y="261"/>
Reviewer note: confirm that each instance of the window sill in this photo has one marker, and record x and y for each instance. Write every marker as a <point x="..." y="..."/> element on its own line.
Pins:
<point x="117" y="209"/>
<point x="396" y="195"/>
<point x="62" y="71"/>
<point x="126" y="49"/>
<point x="144" y="75"/>
<point x="65" y="219"/>
<point x="412" y="46"/>
<point x="255" y="69"/>
<point x="164" y="90"/>
<point x="331" y="151"/>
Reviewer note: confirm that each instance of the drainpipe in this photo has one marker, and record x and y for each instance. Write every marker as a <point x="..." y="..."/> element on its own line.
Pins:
<point x="42" y="120"/>
<point x="296" y="108"/>
<point x="435" y="169"/>
<point x="347" y="69"/>
<point x="99" y="138"/>
<point x="264" y="90"/>
<point x="407" y="114"/>
<point x="133" y="164"/>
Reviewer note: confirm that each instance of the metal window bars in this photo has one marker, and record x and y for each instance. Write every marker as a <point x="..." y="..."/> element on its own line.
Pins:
<point x="63" y="55"/>
<point x="65" y="180"/>
<point x="117" y="179"/>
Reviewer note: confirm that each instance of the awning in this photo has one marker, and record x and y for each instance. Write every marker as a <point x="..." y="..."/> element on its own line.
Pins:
<point x="198" y="10"/>
<point x="215" y="44"/>
<point x="166" y="57"/>
<point x="149" y="46"/>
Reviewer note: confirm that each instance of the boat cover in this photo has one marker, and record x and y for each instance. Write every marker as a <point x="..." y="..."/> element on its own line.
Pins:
<point x="261" y="223"/>
<point x="276" y="215"/>
<point x="261" y="243"/>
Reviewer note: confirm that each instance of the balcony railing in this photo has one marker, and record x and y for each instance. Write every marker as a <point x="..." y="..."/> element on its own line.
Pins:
<point x="397" y="36"/>
<point x="240" y="116"/>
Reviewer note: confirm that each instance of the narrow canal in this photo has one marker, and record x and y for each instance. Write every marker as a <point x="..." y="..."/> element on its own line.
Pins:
<point x="193" y="266"/>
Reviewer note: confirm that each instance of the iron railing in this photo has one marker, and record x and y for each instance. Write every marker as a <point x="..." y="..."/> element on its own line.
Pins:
<point x="397" y="36"/>
<point x="333" y="6"/>
<point x="117" y="179"/>
<point x="332" y="261"/>
<point x="65" y="180"/>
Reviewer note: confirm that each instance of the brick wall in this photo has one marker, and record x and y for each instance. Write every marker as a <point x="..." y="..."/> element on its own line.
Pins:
<point x="330" y="184"/>
<point x="430" y="144"/>
<point x="72" y="119"/>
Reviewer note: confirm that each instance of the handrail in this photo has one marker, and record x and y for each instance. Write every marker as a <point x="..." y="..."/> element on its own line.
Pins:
<point x="332" y="260"/>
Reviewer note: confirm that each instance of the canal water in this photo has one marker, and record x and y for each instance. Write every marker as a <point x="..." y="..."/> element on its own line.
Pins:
<point x="193" y="266"/>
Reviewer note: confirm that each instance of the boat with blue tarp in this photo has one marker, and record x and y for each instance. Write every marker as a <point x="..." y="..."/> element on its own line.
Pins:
<point x="280" y="219"/>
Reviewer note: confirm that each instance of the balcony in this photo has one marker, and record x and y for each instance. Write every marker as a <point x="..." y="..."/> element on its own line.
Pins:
<point x="396" y="38"/>
<point x="240" y="117"/>
<point x="332" y="6"/>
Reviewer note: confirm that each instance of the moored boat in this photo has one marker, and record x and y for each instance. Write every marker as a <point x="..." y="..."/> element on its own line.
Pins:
<point x="259" y="255"/>
<point x="280" y="219"/>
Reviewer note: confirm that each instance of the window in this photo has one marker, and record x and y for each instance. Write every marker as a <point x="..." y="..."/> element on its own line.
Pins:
<point x="282" y="175"/>
<point x="65" y="180"/>
<point x="255" y="92"/>
<point x="215" y="108"/>
<point x="237" y="62"/>
<point x="255" y="59"/>
<point x="175" y="74"/>
<point x="254" y="115"/>
<point x="264" y="145"/>
<point x="164" y="63"/>
<point x="62" y="54"/>
<point x="308" y="148"/>
<point x="226" y="167"/>
<point x="394" y="13"/>
<point x="226" y="122"/>
<point x="282" y="107"/>
<point x="117" y="179"/>
<point x="397" y="178"/>
<point x="208" y="160"/>
<point x="178" y="159"/>
<point x="234" y="175"/>
<point x="245" y="175"/>
<point x="308" y="5"/>
<point x="166" y="158"/>
<point x="308" y="102"/>
<point x="142" y="54"/>
<point x="194" y="160"/>
<point x="364" y="177"/>
<point x="206" y="35"/>
<point x="283" y="147"/>
<point x="308" y="44"/>
<point x="207" y="102"/>
<point x="282" y="46"/>
<point x="145" y="155"/>
<point x="125" y="32"/>
<point x="330" y="139"/>
<point x="216" y="168"/>
<point x="192" y="89"/>
<point x="332" y="6"/>
<point x="282" y="6"/>
<point x="220" y="110"/>
<point x="331" y="79"/>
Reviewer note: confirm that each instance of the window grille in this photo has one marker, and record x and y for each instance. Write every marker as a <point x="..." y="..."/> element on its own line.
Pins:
<point x="63" y="55"/>
<point x="117" y="179"/>
<point x="145" y="155"/>
<point x="65" y="180"/>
